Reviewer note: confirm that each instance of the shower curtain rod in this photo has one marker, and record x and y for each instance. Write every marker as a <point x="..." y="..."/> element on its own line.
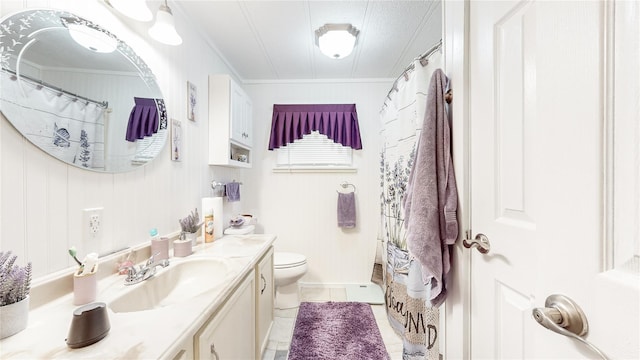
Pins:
<point x="104" y="104"/>
<point x="428" y="53"/>
<point x="423" y="61"/>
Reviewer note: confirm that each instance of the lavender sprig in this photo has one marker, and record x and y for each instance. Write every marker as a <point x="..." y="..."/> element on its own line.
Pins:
<point x="15" y="281"/>
<point x="191" y="223"/>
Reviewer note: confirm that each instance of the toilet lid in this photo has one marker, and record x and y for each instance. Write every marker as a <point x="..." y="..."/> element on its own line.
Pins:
<point x="287" y="260"/>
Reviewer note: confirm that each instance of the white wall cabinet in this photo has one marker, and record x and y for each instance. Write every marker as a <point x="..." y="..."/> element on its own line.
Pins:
<point x="265" y="293"/>
<point x="230" y="123"/>
<point x="230" y="334"/>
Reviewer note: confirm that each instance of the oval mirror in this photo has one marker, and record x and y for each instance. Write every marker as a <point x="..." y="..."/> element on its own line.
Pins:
<point x="79" y="93"/>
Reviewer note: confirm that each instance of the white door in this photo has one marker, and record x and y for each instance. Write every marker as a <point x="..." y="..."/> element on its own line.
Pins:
<point x="537" y="104"/>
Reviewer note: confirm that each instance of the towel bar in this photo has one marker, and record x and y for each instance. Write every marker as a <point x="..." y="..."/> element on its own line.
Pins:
<point x="346" y="185"/>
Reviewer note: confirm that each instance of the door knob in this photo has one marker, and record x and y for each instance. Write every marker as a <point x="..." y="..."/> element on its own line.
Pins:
<point x="563" y="316"/>
<point x="481" y="241"/>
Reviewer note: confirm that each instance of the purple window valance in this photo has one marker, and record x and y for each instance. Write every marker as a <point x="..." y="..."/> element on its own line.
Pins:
<point x="338" y="122"/>
<point x="146" y="117"/>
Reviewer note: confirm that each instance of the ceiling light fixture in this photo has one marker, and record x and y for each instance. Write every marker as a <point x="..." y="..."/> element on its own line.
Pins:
<point x="135" y="9"/>
<point x="336" y="40"/>
<point x="164" y="29"/>
<point x="89" y="37"/>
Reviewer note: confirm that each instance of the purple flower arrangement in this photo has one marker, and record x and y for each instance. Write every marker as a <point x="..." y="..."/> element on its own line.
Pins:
<point x="15" y="281"/>
<point x="191" y="223"/>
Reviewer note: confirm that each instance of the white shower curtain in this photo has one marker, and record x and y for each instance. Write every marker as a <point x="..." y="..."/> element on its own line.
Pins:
<point x="66" y="127"/>
<point x="402" y="116"/>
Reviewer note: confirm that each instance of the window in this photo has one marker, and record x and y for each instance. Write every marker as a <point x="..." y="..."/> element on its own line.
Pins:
<point x="314" y="137"/>
<point x="314" y="151"/>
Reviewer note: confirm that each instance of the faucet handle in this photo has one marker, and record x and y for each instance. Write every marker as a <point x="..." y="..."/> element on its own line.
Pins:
<point x="164" y="263"/>
<point x="152" y="259"/>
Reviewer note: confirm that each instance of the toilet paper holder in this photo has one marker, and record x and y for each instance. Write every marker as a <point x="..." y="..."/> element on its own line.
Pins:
<point x="218" y="188"/>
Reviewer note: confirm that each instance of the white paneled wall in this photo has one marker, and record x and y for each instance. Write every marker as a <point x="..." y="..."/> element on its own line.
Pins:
<point x="301" y="207"/>
<point x="42" y="199"/>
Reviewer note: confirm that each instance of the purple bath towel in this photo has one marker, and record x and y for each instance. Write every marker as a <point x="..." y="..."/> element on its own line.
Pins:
<point x="431" y="200"/>
<point x="346" y="210"/>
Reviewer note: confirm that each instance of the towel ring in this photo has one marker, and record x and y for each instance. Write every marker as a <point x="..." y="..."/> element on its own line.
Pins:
<point x="346" y="185"/>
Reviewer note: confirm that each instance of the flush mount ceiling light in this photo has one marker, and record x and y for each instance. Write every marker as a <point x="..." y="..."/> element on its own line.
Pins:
<point x="164" y="29"/>
<point x="135" y="9"/>
<point x="336" y="40"/>
<point x="90" y="38"/>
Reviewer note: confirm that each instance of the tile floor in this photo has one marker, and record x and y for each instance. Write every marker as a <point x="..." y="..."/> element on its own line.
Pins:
<point x="282" y="330"/>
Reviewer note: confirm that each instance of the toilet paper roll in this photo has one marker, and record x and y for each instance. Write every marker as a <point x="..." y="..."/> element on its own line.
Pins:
<point x="213" y="205"/>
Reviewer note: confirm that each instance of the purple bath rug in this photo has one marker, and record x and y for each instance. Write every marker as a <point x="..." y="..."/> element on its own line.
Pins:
<point x="336" y="330"/>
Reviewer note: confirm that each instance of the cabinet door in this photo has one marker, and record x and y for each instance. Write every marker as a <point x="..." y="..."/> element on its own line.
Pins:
<point x="265" y="294"/>
<point x="237" y="113"/>
<point x="247" y="121"/>
<point x="231" y="332"/>
<point x="241" y="117"/>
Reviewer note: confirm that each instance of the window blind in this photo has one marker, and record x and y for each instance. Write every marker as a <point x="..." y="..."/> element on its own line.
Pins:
<point x="316" y="150"/>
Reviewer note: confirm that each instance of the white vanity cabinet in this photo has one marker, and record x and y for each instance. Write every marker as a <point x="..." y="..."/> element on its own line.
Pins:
<point x="230" y="123"/>
<point x="230" y="333"/>
<point x="265" y="293"/>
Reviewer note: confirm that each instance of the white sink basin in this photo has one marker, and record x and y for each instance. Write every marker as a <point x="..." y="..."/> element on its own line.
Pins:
<point x="176" y="283"/>
<point x="238" y="245"/>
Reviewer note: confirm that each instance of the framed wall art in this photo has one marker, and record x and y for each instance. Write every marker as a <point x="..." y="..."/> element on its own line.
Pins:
<point x="176" y="140"/>
<point x="192" y="101"/>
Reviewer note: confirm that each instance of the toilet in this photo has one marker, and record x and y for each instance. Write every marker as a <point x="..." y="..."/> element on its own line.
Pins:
<point x="288" y="268"/>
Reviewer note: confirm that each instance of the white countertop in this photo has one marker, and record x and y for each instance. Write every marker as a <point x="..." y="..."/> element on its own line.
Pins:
<point x="149" y="334"/>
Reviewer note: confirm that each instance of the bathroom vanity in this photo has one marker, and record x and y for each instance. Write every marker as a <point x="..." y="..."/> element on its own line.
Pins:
<point x="216" y="303"/>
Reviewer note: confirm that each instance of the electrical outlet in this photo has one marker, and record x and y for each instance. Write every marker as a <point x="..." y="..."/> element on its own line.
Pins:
<point x="92" y="224"/>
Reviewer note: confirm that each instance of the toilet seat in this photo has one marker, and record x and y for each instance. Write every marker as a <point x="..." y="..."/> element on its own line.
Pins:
<point x="285" y="260"/>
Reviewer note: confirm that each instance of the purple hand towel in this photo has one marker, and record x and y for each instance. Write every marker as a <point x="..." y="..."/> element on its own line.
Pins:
<point x="346" y="210"/>
<point x="233" y="191"/>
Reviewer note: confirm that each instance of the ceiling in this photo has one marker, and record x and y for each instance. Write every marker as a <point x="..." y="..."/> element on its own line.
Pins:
<point x="274" y="40"/>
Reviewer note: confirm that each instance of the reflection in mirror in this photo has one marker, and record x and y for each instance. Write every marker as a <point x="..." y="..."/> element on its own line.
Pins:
<point x="78" y="93"/>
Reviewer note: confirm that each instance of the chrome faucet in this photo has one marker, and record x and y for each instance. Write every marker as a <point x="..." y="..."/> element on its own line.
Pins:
<point x="145" y="271"/>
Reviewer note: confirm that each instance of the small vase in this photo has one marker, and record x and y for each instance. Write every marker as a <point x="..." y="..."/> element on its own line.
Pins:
<point x="13" y="317"/>
<point x="193" y="237"/>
